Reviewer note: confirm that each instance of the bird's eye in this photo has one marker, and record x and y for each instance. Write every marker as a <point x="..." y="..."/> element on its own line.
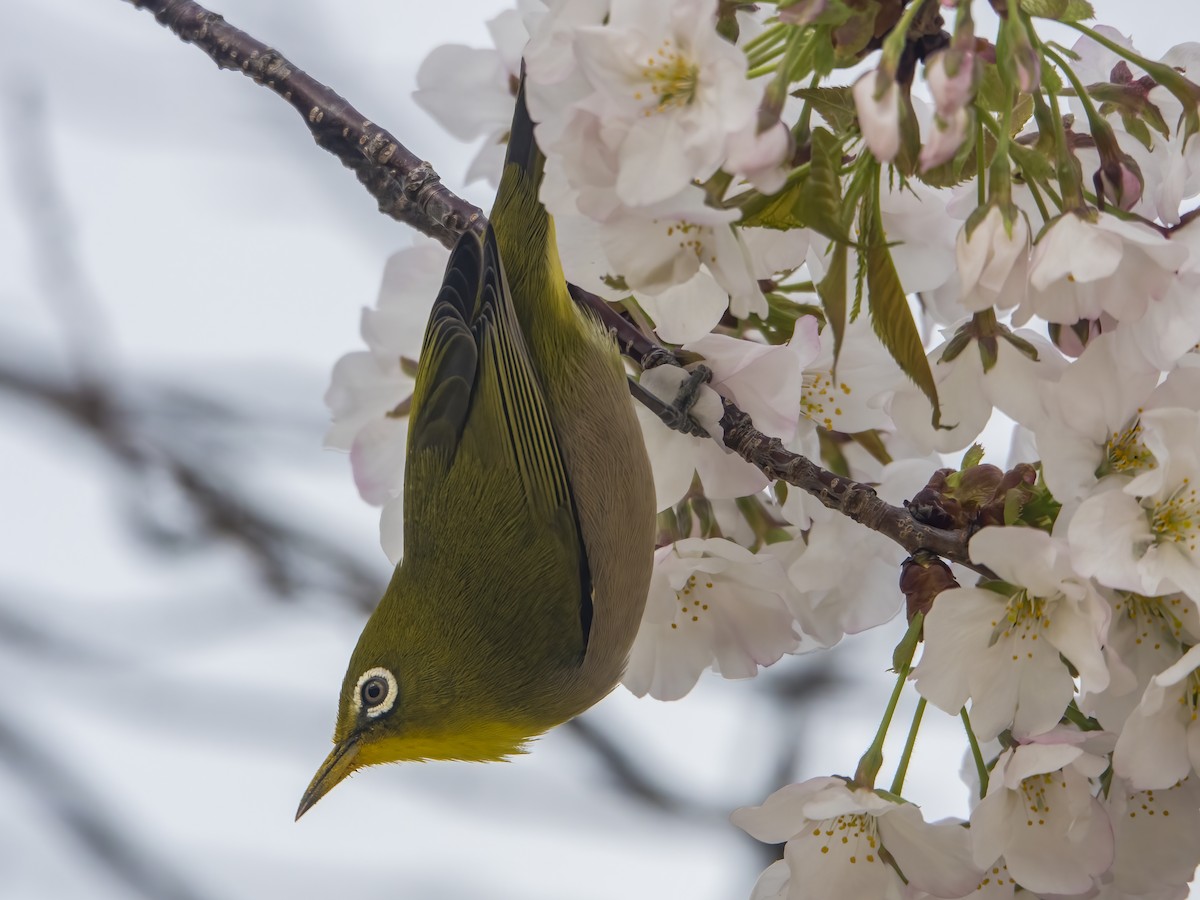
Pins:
<point x="376" y="691"/>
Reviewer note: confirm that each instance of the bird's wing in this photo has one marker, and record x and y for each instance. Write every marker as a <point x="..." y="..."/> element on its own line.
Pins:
<point x="476" y="384"/>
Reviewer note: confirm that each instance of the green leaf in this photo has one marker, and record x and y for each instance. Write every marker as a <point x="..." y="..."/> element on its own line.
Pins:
<point x="782" y="313"/>
<point x="778" y="212"/>
<point x="832" y="454"/>
<point x="860" y="283"/>
<point x="991" y="91"/>
<point x="1014" y="502"/>
<point x="833" y="104"/>
<point x="832" y="291"/>
<point x="892" y="318"/>
<point x="872" y="442"/>
<point x="972" y="458"/>
<point x="812" y="202"/>
<point x="1062" y="10"/>
<point x="992" y="94"/>
<point x="824" y="57"/>
<point x="1034" y="164"/>
<point x="1051" y="81"/>
<point x="852" y="36"/>
<point x="819" y="205"/>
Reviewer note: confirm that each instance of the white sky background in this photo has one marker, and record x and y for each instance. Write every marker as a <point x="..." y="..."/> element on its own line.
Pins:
<point x="208" y="245"/>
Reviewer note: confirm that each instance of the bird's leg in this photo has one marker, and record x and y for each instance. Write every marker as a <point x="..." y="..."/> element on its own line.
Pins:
<point x="685" y="398"/>
<point x="677" y="414"/>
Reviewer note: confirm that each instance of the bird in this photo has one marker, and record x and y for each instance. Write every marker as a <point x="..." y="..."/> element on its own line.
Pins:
<point x="529" y="513"/>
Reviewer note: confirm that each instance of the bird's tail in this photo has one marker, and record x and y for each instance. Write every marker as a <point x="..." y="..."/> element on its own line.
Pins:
<point x="524" y="230"/>
<point x="523" y="150"/>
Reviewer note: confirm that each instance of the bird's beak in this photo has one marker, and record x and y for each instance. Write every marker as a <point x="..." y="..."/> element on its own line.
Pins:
<point x="338" y="764"/>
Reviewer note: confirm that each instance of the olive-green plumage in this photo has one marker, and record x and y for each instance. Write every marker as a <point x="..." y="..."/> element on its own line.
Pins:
<point x="528" y="512"/>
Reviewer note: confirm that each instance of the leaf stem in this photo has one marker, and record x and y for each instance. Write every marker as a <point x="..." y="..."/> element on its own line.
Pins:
<point x="902" y="767"/>
<point x="772" y="35"/>
<point x="872" y="760"/>
<point x="1069" y="174"/>
<point x="977" y="754"/>
<point x="1031" y="183"/>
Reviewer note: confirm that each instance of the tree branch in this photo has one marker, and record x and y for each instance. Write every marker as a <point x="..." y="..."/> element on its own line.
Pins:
<point x="410" y="191"/>
<point x="858" y="501"/>
<point x="407" y="188"/>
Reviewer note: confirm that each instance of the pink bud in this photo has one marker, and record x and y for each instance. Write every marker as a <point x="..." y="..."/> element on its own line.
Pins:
<point x="761" y="157"/>
<point x="948" y="135"/>
<point x="1028" y="65"/>
<point x="1072" y="340"/>
<point x="877" y="101"/>
<point x="1120" y="183"/>
<point x="951" y="91"/>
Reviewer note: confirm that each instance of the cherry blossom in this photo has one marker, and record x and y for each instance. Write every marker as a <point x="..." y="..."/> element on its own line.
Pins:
<point x="1015" y="383"/>
<point x="688" y="311"/>
<point x="1154" y="832"/>
<point x="1140" y="534"/>
<point x="836" y="838"/>
<point x="993" y="260"/>
<point x="1160" y="743"/>
<point x="944" y="139"/>
<point x="1088" y="264"/>
<point x="1040" y="815"/>
<point x="469" y="91"/>
<point x="761" y="157"/>
<point x="660" y="247"/>
<point x="368" y="388"/>
<point x="1171" y="166"/>
<point x="1145" y="637"/>
<point x="766" y="380"/>
<point x="1092" y="426"/>
<point x="661" y="70"/>
<point x="1004" y="650"/>
<point x="711" y="604"/>
<point x="832" y="599"/>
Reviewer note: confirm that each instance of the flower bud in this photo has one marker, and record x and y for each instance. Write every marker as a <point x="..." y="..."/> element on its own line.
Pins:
<point x="992" y="252"/>
<point x="761" y="155"/>
<point x="932" y="506"/>
<point x="1018" y="57"/>
<point x="1072" y="340"/>
<point x="947" y="137"/>
<point x="877" y="101"/>
<point x="950" y="75"/>
<point x="1119" y="181"/>
<point x="922" y="577"/>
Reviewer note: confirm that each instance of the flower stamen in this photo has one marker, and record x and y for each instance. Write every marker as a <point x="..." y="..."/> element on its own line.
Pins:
<point x="1176" y="519"/>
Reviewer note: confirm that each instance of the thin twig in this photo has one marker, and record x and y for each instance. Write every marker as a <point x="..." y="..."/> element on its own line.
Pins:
<point x="858" y="501"/>
<point x="409" y="190"/>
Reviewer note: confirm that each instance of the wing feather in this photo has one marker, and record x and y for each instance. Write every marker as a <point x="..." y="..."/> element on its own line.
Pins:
<point x="476" y="385"/>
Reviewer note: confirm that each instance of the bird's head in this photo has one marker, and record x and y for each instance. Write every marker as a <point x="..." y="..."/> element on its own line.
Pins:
<point x="404" y="700"/>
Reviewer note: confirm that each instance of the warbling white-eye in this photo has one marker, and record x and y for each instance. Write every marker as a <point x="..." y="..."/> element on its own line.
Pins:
<point x="528" y="512"/>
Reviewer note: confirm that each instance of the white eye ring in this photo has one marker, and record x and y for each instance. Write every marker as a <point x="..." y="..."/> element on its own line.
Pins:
<point x="377" y="709"/>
